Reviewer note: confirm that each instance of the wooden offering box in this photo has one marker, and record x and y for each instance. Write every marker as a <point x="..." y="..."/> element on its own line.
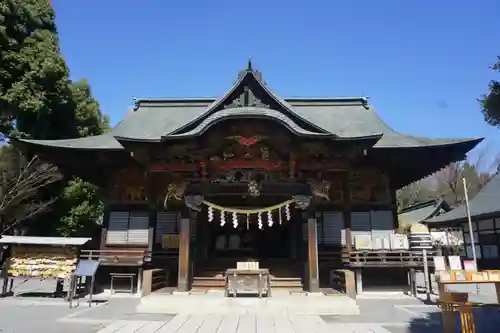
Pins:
<point x="256" y="281"/>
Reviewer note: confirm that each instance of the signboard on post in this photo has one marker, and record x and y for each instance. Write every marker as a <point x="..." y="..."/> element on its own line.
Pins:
<point x="455" y="263"/>
<point x="439" y="263"/>
<point x="87" y="268"/>
<point x="470" y="265"/>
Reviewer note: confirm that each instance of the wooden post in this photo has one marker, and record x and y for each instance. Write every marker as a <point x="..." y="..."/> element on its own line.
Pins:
<point x="293" y="238"/>
<point x="184" y="262"/>
<point x="153" y="214"/>
<point x="312" y="245"/>
<point x="497" y="290"/>
<point x="413" y="281"/>
<point x="426" y="276"/>
<point x="346" y="198"/>
<point x="359" y="280"/>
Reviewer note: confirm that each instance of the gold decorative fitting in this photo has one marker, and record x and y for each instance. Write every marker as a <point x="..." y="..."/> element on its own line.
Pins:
<point x="175" y="191"/>
<point x="321" y="189"/>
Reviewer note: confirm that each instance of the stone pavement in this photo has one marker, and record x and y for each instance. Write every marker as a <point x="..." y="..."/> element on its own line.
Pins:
<point x="246" y="323"/>
<point x="216" y="303"/>
<point x="120" y="315"/>
<point x="378" y="313"/>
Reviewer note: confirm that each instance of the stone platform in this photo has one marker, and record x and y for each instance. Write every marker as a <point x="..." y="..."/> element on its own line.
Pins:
<point x="216" y="303"/>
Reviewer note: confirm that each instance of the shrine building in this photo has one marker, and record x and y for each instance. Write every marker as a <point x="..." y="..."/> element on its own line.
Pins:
<point x="192" y="186"/>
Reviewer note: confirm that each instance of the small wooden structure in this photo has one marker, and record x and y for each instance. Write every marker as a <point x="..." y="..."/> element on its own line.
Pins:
<point x="41" y="258"/>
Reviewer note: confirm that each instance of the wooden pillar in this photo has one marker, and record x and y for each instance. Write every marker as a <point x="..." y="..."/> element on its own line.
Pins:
<point x="359" y="280"/>
<point x="312" y="245"/>
<point x="184" y="247"/>
<point x="152" y="208"/>
<point x="346" y="196"/>
<point x="293" y="237"/>
<point x="412" y="279"/>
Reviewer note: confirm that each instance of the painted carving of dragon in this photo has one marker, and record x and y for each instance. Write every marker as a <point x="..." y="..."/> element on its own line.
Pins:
<point x="320" y="189"/>
<point x="175" y="191"/>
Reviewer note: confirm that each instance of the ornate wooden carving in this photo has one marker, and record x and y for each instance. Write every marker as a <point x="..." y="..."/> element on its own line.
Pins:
<point x="129" y="185"/>
<point x="325" y="186"/>
<point x="320" y="189"/>
<point x="254" y="151"/>
<point x="194" y="202"/>
<point x="160" y="184"/>
<point x="175" y="191"/>
<point x="369" y="185"/>
<point x="302" y="201"/>
<point x="247" y="97"/>
<point x="140" y="154"/>
<point x="246" y="141"/>
<point x="324" y="156"/>
<point x="336" y="188"/>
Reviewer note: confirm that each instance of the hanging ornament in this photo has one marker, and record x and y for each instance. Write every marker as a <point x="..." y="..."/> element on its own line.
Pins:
<point x="287" y="212"/>
<point x="259" y="221"/>
<point x="222" y="219"/>
<point x="235" y="220"/>
<point x="269" y="218"/>
<point x="210" y="214"/>
<point x="279" y="215"/>
<point x="248" y="221"/>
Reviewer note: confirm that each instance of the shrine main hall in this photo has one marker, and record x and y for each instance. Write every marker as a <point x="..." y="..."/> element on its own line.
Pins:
<point x="193" y="187"/>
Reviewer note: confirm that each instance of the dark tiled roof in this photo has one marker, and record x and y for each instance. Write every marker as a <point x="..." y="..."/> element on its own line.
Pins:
<point x="420" y="212"/>
<point x="348" y="117"/>
<point x="485" y="203"/>
<point x="98" y="142"/>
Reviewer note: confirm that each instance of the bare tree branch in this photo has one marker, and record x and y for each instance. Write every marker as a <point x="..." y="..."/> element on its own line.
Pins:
<point x="20" y="186"/>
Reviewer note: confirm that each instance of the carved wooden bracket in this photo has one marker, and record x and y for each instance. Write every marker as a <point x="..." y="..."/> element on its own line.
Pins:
<point x="193" y="202"/>
<point x="302" y="201"/>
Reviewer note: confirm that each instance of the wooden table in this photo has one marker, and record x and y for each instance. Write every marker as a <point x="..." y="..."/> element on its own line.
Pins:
<point x="247" y="280"/>
<point x="124" y="276"/>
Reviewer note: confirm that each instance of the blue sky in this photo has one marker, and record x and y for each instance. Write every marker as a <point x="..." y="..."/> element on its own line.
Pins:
<point x="422" y="63"/>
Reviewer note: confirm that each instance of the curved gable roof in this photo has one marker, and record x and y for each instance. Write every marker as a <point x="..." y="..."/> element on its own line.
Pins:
<point x="250" y="78"/>
<point x="420" y="212"/>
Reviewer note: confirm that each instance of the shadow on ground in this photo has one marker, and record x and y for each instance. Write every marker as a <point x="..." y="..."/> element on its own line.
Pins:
<point x="487" y="320"/>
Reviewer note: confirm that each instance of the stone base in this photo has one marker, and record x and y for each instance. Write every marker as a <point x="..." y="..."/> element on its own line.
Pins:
<point x="217" y="304"/>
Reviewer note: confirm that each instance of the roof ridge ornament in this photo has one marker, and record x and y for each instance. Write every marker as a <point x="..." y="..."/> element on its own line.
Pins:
<point x="250" y="68"/>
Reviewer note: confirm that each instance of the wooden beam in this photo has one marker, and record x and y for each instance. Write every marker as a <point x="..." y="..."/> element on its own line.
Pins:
<point x="184" y="262"/>
<point x="208" y="189"/>
<point x="312" y="245"/>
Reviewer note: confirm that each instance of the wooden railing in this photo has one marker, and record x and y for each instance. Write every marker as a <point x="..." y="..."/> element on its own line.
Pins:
<point x="129" y="257"/>
<point x="403" y="258"/>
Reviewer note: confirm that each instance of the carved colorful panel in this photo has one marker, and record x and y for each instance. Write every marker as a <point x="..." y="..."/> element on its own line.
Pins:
<point x="369" y="186"/>
<point x="129" y="185"/>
